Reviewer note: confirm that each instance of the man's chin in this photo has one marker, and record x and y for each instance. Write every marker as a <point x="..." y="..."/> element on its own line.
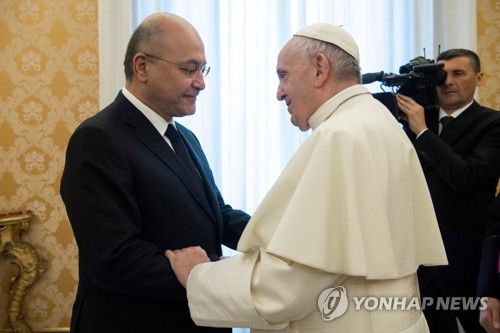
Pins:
<point x="448" y="101"/>
<point x="186" y="113"/>
<point x="302" y="128"/>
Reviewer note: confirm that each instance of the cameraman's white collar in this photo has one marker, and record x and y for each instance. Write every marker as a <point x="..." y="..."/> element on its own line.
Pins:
<point x="455" y="114"/>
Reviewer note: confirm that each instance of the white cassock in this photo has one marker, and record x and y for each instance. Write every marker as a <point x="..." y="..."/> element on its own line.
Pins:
<point x="350" y="209"/>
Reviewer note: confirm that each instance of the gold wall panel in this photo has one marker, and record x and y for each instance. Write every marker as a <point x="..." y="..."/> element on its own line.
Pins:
<point x="488" y="41"/>
<point x="49" y="84"/>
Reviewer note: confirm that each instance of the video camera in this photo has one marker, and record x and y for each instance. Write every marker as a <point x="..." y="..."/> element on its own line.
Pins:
<point x="416" y="79"/>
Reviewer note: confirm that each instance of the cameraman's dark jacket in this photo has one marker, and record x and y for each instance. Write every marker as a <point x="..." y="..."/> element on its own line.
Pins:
<point x="462" y="168"/>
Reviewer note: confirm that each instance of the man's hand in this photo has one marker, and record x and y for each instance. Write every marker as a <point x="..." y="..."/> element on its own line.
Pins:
<point x="413" y="113"/>
<point x="183" y="261"/>
<point x="489" y="318"/>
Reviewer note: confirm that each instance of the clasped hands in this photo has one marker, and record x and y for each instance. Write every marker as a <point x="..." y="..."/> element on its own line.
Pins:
<point x="184" y="260"/>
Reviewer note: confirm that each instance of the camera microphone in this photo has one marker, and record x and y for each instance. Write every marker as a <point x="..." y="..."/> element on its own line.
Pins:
<point x="371" y="77"/>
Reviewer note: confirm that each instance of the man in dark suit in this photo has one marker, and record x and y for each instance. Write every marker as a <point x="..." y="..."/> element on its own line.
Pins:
<point x="131" y="191"/>
<point x="489" y="275"/>
<point x="461" y="162"/>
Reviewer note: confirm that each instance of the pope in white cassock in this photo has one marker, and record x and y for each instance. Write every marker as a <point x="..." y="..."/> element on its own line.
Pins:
<point x="351" y="211"/>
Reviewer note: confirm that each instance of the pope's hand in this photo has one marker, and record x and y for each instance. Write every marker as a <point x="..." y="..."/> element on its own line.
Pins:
<point x="490" y="317"/>
<point x="184" y="260"/>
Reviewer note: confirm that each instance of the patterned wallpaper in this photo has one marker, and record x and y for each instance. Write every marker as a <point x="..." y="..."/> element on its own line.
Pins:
<point x="488" y="30"/>
<point x="48" y="85"/>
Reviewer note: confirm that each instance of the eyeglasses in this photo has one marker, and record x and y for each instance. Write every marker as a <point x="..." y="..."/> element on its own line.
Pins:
<point x="191" y="72"/>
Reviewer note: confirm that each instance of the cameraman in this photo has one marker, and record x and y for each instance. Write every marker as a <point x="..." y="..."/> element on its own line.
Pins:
<point x="462" y="166"/>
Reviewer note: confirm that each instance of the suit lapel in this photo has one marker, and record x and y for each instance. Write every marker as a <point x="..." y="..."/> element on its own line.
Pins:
<point x="203" y="173"/>
<point x="149" y="136"/>
<point x="456" y="128"/>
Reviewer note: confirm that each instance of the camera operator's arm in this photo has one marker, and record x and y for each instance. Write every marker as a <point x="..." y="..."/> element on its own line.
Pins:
<point x="467" y="160"/>
<point x="413" y="113"/>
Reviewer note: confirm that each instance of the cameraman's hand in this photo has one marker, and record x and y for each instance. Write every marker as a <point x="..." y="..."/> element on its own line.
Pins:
<point x="413" y="113"/>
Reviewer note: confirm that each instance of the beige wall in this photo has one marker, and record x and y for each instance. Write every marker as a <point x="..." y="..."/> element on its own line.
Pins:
<point x="488" y="30"/>
<point x="48" y="85"/>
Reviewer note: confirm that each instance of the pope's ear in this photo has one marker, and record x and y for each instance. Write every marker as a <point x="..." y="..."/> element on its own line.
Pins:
<point x="322" y="69"/>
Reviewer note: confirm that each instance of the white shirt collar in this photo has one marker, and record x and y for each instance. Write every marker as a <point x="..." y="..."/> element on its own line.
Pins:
<point x="455" y="114"/>
<point x="158" y="122"/>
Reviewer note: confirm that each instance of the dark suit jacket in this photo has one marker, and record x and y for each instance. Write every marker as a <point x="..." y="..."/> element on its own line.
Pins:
<point x="462" y="168"/>
<point x="489" y="275"/>
<point x="128" y="200"/>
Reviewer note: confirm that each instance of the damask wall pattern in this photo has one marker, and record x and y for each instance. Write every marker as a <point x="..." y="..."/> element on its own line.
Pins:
<point x="49" y="84"/>
<point x="488" y="40"/>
